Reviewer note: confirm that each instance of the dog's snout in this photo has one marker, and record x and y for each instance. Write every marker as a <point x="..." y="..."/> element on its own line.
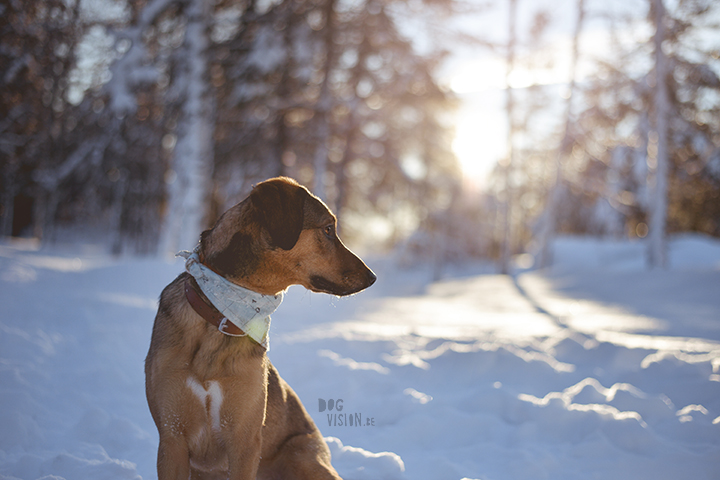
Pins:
<point x="361" y="277"/>
<point x="353" y="281"/>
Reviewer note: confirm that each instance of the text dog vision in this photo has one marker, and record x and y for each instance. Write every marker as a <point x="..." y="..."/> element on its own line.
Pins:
<point x="339" y="419"/>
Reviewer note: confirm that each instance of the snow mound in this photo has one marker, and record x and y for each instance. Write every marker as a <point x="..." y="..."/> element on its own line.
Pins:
<point x="354" y="463"/>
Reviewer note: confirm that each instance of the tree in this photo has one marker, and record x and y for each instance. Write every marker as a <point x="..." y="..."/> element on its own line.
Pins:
<point x="507" y="214"/>
<point x="135" y="110"/>
<point x="616" y="157"/>
<point x="263" y="73"/>
<point x="329" y="91"/>
<point x="37" y="42"/>
<point x="658" y="157"/>
<point x="191" y="164"/>
<point x="548" y="221"/>
<point x="192" y="101"/>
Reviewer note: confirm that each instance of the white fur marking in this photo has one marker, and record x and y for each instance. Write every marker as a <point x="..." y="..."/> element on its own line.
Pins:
<point x="216" y="398"/>
<point x="211" y="397"/>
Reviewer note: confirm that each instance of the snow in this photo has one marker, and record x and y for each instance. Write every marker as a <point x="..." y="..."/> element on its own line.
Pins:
<point x="596" y="368"/>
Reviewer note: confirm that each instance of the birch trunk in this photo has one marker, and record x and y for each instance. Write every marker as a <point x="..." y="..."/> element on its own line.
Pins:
<point x="550" y="222"/>
<point x="192" y="159"/>
<point x="8" y="199"/>
<point x="506" y="247"/>
<point x="658" y="158"/>
<point x="324" y="104"/>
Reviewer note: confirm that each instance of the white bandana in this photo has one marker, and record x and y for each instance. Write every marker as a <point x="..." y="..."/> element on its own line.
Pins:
<point x="250" y="311"/>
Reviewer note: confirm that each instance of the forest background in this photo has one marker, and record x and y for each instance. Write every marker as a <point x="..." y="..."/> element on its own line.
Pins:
<point x="137" y="122"/>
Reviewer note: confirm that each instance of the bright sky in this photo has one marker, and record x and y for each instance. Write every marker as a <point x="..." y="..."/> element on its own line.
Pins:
<point x="478" y="75"/>
<point x="481" y="122"/>
<point x="480" y="133"/>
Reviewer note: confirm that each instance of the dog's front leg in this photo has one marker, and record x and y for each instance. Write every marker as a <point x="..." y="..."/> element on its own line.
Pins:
<point x="173" y="458"/>
<point x="244" y="454"/>
<point x="302" y="457"/>
<point x="242" y="429"/>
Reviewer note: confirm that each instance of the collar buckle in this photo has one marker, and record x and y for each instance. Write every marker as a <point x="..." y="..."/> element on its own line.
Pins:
<point x="226" y="327"/>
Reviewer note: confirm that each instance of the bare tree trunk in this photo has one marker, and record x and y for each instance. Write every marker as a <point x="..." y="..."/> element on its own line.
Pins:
<point x="192" y="159"/>
<point x="282" y="140"/>
<point x="44" y="210"/>
<point x="8" y="200"/>
<point x="320" y="161"/>
<point x="324" y="104"/>
<point x="658" y="164"/>
<point x="341" y="172"/>
<point x="506" y="246"/>
<point x="550" y="223"/>
<point x="116" y="213"/>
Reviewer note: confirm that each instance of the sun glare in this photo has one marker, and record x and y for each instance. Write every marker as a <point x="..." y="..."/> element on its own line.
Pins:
<point x="478" y="75"/>
<point x="479" y="140"/>
<point x="481" y="123"/>
<point x="480" y="126"/>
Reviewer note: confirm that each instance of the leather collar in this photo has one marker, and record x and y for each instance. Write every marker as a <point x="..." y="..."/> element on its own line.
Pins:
<point x="208" y="311"/>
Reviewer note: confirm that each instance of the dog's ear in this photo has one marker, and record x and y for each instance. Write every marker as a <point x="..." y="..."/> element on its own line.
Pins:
<point x="279" y="204"/>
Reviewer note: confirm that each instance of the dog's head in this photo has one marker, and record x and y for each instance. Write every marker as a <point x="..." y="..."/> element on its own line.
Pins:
<point x="283" y="235"/>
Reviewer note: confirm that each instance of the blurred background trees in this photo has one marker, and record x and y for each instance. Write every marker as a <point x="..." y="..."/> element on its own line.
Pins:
<point x="651" y="112"/>
<point x="150" y="118"/>
<point x="140" y="121"/>
<point x="598" y="167"/>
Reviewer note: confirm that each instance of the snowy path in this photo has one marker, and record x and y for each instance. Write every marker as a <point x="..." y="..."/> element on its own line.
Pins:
<point x="587" y="371"/>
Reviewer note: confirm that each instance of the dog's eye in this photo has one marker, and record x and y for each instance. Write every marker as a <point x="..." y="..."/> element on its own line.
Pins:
<point x="329" y="231"/>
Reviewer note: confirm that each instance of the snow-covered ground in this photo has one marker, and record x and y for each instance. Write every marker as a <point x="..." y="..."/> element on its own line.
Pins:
<point x="596" y="368"/>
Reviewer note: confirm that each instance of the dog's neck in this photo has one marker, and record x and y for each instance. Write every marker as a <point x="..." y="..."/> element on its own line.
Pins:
<point x="248" y="310"/>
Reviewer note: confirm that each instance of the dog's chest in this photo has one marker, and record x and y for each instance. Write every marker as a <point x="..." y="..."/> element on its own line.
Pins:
<point x="210" y="396"/>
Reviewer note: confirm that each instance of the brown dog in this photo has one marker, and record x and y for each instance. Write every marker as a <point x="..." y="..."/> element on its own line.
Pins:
<point x="221" y="408"/>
